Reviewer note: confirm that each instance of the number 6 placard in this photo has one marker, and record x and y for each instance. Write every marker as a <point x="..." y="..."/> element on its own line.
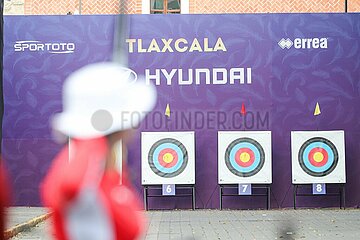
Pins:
<point x="168" y="189"/>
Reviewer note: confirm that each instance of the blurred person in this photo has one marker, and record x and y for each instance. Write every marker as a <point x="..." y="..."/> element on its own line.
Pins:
<point x="102" y="104"/>
<point x="4" y="199"/>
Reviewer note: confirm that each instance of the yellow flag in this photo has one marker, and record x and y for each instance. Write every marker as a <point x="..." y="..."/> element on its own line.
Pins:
<point x="167" y="110"/>
<point x="317" y="109"/>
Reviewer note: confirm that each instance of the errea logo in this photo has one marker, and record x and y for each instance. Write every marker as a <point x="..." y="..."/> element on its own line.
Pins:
<point x="304" y="43"/>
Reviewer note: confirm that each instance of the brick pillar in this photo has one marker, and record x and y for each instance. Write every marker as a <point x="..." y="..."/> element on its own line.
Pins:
<point x="353" y="6"/>
<point x="131" y="6"/>
<point x="265" y="6"/>
<point x="50" y="7"/>
<point x="100" y="6"/>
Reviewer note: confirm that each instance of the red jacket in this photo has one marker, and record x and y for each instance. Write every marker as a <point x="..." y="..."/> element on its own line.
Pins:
<point x="87" y="201"/>
<point x="4" y="199"/>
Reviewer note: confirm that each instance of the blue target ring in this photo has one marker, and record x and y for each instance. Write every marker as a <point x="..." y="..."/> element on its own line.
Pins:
<point x="313" y="168"/>
<point x="237" y="148"/>
<point x="171" y="147"/>
<point x="162" y="168"/>
<point x="256" y="151"/>
<point x="311" y="145"/>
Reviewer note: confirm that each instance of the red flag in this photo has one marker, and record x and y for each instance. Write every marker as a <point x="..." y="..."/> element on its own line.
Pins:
<point x="86" y="198"/>
<point x="243" y="111"/>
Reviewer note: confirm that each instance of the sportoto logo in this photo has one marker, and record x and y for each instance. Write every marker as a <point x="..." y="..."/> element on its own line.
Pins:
<point x="304" y="43"/>
<point x="38" y="46"/>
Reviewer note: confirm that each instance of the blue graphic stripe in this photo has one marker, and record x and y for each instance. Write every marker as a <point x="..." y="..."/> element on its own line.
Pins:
<point x="307" y="161"/>
<point x="156" y="156"/>
<point x="253" y="148"/>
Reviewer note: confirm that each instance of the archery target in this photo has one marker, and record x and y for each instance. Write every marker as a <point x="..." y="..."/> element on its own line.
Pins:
<point x="168" y="158"/>
<point x="244" y="157"/>
<point x="318" y="157"/>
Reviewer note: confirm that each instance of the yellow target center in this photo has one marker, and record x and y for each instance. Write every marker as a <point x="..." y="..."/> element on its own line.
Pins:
<point x="168" y="157"/>
<point x="318" y="157"/>
<point x="244" y="157"/>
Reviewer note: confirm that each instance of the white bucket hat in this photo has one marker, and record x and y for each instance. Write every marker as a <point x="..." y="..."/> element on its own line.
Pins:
<point x="103" y="98"/>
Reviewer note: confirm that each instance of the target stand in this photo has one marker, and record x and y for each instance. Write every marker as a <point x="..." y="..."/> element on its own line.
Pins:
<point x="318" y="158"/>
<point x="262" y="190"/>
<point x="244" y="163"/>
<point x="186" y="191"/>
<point x="168" y="159"/>
<point x="304" y="190"/>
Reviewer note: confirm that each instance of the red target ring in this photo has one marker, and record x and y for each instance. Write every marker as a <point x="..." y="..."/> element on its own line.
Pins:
<point x="168" y="158"/>
<point x="244" y="157"/>
<point x="318" y="157"/>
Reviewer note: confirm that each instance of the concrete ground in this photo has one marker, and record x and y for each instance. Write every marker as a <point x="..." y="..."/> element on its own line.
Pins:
<point x="238" y="224"/>
<point x="19" y="215"/>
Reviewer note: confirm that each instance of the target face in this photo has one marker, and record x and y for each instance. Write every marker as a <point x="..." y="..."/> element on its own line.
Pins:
<point x="168" y="158"/>
<point x="244" y="157"/>
<point x="318" y="157"/>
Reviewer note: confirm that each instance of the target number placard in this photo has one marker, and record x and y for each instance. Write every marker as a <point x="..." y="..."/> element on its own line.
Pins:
<point x="168" y="189"/>
<point x="319" y="188"/>
<point x="318" y="157"/>
<point x="244" y="157"/>
<point x="168" y="158"/>
<point x="244" y="189"/>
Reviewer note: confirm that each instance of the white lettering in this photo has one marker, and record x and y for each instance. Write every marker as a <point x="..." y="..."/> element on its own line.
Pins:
<point x="315" y="43"/>
<point x="156" y="77"/>
<point x="237" y="74"/>
<point x="248" y="75"/>
<point x="17" y="47"/>
<point x="181" y="79"/>
<point x="167" y="46"/>
<point x="195" y="46"/>
<point x="168" y="76"/>
<point x="198" y="75"/>
<point x="154" y="47"/>
<point x="130" y="42"/>
<point x="323" y="43"/>
<point x="215" y="76"/>
<point x="179" y="45"/>
<point x="37" y="46"/>
<point x="309" y="43"/>
<point x="140" y="48"/>
<point x="71" y="46"/>
<point x="297" y="43"/>
<point x="222" y="72"/>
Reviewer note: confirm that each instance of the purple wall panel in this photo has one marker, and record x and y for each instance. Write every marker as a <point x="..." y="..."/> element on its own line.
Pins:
<point x="286" y="84"/>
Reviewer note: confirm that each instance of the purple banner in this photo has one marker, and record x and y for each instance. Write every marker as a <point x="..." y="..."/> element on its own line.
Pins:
<point x="205" y="67"/>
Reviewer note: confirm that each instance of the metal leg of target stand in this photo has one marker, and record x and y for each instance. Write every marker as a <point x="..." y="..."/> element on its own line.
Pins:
<point x="193" y="197"/>
<point x="221" y="192"/>
<point x="268" y="198"/>
<point x="145" y="198"/>
<point x="342" y="197"/>
<point x="295" y="193"/>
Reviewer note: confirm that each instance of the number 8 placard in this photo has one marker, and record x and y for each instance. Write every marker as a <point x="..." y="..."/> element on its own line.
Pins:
<point x="167" y="158"/>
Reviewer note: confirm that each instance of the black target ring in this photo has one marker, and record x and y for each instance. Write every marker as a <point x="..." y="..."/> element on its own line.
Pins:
<point x="173" y="148"/>
<point x="247" y="145"/>
<point x="327" y="149"/>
